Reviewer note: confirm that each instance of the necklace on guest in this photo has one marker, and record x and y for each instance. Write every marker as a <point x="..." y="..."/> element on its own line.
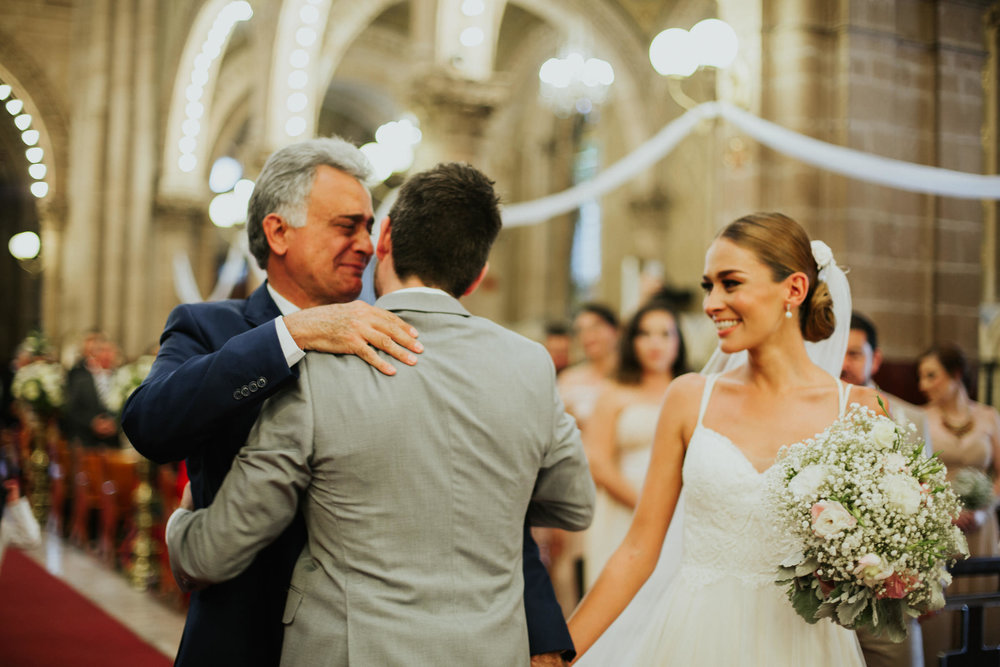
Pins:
<point x="958" y="430"/>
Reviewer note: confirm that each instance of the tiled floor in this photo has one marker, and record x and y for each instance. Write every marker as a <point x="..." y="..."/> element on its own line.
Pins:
<point x="147" y="617"/>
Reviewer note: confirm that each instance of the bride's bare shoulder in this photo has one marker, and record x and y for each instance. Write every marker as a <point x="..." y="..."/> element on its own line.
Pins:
<point x="685" y="391"/>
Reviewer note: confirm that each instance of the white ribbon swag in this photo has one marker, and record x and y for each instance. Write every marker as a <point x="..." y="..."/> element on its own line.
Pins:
<point x="847" y="161"/>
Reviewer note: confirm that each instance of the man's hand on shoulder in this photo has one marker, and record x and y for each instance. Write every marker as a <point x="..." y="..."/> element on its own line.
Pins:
<point x="553" y="659"/>
<point x="351" y="328"/>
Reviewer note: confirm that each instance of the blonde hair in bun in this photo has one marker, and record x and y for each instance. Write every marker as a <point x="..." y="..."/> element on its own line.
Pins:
<point x="783" y="246"/>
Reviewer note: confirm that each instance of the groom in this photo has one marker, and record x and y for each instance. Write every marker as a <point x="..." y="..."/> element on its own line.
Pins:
<point x="414" y="488"/>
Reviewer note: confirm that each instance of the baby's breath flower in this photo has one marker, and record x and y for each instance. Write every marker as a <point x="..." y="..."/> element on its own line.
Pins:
<point x="897" y="508"/>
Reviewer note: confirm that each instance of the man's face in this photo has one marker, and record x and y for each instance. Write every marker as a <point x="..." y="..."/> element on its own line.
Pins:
<point x="558" y="346"/>
<point x="857" y="367"/>
<point x="327" y="255"/>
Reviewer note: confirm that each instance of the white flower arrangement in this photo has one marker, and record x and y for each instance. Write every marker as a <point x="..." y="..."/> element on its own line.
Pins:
<point x="41" y="385"/>
<point x="871" y="518"/>
<point x="127" y="379"/>
<point x="973" y="488"/>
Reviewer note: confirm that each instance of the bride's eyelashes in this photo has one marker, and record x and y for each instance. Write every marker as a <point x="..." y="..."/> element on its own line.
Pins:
<point x="728" y="284"/>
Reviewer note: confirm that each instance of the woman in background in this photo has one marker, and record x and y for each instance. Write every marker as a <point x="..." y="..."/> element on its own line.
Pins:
<point x="596" y="329"/>
<point x="619" y="434"/>
<point x="966" y="435"/>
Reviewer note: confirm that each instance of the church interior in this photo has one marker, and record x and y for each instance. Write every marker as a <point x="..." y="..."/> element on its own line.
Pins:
<point x="622" y="136"/>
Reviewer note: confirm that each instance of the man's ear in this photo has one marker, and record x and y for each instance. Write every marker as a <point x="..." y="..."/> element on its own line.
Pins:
<point x="384" y="246"/>
<point x="479" y="279"/>
<point x="276" y="231"/>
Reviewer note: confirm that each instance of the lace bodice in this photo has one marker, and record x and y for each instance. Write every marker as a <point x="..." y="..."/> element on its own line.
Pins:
<point x="727" y="529"/>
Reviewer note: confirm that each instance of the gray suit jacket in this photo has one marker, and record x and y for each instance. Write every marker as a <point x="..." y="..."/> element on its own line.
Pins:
<point x="414" y="488"/>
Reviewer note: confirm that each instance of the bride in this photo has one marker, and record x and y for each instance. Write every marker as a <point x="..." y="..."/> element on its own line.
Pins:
<point x="767" y="291"/>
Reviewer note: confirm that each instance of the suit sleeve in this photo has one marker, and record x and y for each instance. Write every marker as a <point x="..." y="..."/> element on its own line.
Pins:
<point x="258" y="499"/>
<point x="563" y="496"/>
<point x="194" y="389"/>
<point x="564" y="492"/>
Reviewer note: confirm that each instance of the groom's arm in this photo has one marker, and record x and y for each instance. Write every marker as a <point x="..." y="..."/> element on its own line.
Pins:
<point x="564" y="493"/>
<point x="258" y="498"/>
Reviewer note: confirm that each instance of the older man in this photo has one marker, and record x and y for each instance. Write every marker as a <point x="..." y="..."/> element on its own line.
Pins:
<point x="309" y="224"/>
<point x="414" y="488"/>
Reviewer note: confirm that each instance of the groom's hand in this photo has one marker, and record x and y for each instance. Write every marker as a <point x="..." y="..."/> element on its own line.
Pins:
<point x="553" y="659"/>
<point x="353" y="328"/>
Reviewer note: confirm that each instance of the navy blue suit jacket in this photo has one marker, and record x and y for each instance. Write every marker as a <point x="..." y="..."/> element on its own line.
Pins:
<point x="216" y="366"/>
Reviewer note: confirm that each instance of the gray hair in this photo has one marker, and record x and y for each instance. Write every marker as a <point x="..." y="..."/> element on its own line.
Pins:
<point x="286" y="180"/>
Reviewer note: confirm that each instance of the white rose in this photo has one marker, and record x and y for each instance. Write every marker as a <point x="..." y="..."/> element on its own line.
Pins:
<point x="871" y="569"/>
<point x="902" y="492"/>
<point x="829" y="518"/>
<point x="808" y="480"/>
<point x="884" y="433"/>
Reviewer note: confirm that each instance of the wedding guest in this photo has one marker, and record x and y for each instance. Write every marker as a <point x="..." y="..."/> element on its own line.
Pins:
<point x="861" y="362"/>
<point x="309" y="224"/>
<point x="619" y="435"/>
<point x="86" y="416"/>
<point x="557" y="342"/>
<point x="596" y="329"/>
<point x="966" y="435"/>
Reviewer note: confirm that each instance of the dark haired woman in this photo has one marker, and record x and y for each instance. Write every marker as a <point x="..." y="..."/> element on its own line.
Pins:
<point x="619" y="434"/>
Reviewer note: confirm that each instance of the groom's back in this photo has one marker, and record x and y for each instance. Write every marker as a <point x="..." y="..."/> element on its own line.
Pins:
<point x="420" y="486"/>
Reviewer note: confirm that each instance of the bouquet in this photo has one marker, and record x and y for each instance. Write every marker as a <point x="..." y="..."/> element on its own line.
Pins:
<point x="973" y="488"/>
<point x="126" y="379"/>
<point x="871" y="520"/>
<point x="40" y="384"/>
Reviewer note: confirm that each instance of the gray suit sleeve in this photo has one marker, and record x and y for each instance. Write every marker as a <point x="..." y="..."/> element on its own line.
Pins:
<point x="564" y="492"/>
<point x="258" y="498"/>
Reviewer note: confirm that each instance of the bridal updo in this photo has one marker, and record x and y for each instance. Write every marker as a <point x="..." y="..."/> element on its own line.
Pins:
<point x="783" y="246"/>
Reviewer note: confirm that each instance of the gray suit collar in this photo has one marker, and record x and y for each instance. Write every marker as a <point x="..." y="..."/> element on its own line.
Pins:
<point x="422" y="302"/>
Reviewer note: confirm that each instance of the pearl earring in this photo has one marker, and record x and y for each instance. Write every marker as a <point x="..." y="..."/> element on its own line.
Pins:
<point x="788" y="311"/>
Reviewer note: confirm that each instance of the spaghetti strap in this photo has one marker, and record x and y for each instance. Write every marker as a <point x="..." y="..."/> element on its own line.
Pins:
<point x="845" y="394"/>
<point x="706" y="393"/>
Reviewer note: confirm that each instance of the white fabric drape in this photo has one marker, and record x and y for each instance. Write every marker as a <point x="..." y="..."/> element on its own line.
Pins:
<point x="855" y="164"/>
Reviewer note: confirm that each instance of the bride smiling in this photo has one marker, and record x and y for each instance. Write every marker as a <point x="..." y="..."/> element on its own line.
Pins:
<point x="717" y="436"/>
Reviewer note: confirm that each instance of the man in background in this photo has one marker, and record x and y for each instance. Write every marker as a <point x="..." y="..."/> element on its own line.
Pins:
<point x="862" y="361"/>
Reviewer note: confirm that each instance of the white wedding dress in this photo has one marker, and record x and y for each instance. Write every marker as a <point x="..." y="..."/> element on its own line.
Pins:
<point x="721" y="606"/>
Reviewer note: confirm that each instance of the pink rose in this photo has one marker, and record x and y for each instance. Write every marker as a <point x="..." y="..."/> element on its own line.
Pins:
<point x="829" y="518"/>
<point x="897" y="585"/>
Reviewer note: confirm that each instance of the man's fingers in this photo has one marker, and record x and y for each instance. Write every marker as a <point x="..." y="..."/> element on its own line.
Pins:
<point x="385" y="343"/>
<point x="369" y="355"/>
<point x="402" y="333"/>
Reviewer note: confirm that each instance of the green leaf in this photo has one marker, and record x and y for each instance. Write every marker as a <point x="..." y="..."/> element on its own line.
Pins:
<point x="847" y="612"/>
<point x="805" y="603"/>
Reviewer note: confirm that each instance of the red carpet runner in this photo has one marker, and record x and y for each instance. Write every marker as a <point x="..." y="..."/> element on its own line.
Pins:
<point x="44" y="622"/>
